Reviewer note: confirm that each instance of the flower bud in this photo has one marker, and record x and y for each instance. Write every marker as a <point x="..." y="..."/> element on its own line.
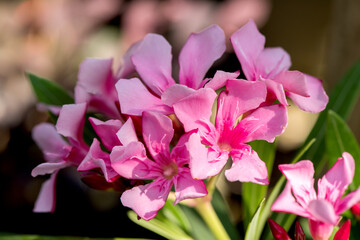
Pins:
<point x="344" y="231"/>
<point x="299" y="233"/>
<point x="278" y="231"/>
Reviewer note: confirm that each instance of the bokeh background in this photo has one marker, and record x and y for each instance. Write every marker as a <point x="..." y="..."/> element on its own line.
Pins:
<point x="51" y="39"/>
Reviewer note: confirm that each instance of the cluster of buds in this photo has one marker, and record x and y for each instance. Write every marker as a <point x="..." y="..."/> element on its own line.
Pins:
<point x="152" y="134"/>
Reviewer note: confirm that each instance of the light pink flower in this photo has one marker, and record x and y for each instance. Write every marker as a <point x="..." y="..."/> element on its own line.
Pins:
<point x="271" y="65"/>
<point x="152" y="61"/>
<point x="228" y="137"/>
<point x="166" y="168"/>
<point x="57" y="152"/>
<point x="322" y="208"/>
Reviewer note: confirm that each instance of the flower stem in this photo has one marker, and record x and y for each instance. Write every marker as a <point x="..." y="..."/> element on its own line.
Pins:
<point x="207" y="212"/>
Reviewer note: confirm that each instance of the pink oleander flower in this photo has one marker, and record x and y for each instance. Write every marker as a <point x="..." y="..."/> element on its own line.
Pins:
<point x="322" y="209"/>
<point x="57" y="152"/>
<point x="165" y="167"/>
<point x="211" y="147"/>
<point x="152" y="61"/>
<point x="271" y="65"/>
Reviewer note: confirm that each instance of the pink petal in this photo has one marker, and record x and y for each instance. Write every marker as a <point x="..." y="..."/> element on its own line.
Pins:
<point x="107" y="131"/>
<point x="204" y="162"/>
<point x="247" y="167"/>
<point x="265" y="123"/>
<point x="152" y="61"/>
<point x="320" y="230"/>
<point x="131" y="162"/>
<point x="317" y="100"/>
<point x="135" y="98"/>
<point x="127" y="66"/>
<point x="219" y="79"/>
<point x="180" y="152"/>
<point x="197" y="106"/>
<point x="276" y="91"/>
<point x="96" y="158"/>
<point x="300" y="175"/>
<point x="127" y="133"/>
<point x="348" y="201"/>
<point x="146" y="200"/>
<point x="186" y="187"/>
<point x="71" y="121"/>
<point x="248" y="43"/>
<point x="49" y="168"/>
<point x="50" y="142"/>
<point x="175" y="93"/>
<point x="157" y="132"/>
<point x="272" y="61"/>
<point x="338" y="177"/>
<point x="287" y="203"/>
<point x="323" y="211"/>
<point x="46" y="198"/>
<point x="294" y="82"/>
<point x="95" y="76"/>
<point x="199" y="53"/>
<point x="241" y="96"/>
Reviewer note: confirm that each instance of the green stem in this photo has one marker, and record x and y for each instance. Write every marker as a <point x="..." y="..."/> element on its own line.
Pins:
<point x="207" y="212"/>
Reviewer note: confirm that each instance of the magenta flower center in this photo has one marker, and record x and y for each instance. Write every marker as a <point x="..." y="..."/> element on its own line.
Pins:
<point x="170" y="170"/>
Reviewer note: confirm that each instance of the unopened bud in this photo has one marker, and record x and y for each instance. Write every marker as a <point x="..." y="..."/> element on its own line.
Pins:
<point x="278" y="231"/>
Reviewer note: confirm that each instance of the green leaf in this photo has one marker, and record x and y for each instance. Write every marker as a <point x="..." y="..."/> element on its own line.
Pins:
<point x="341" y="101"/>
<point x="176" y="215"/>
<point x="253" y="231"/>
<point x="252" y="194"/>
<point x="339" y="139"/>
<point x="164" y="228"/>
<point x="49" y="92"/>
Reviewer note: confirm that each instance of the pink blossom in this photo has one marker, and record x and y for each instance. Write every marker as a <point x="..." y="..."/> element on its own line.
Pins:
<point x="57" y="152"/>
<point x="322" y="208"/>
<point x="271" y="65"/>
<point x="166" y="167"/>
<point x="152" y="61"/>
<point x="227" y="137"/>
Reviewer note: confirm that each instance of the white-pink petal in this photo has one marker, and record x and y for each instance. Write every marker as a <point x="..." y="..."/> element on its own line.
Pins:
<point x="127" y="133"/>
<point x="272" y="61"/>
<point x="175" y="93"/>
<point x="219" y="79"/>
<point x="49" y="167"/>
<point x="199" y="53"/>
<point x="347" y="202"/>
<point x="46" y="199"/>
<point x="294" y="82"/>
<point x="323" y="211"/>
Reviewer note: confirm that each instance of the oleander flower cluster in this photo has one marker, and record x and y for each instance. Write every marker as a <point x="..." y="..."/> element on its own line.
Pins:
<point x="162" y="133"/>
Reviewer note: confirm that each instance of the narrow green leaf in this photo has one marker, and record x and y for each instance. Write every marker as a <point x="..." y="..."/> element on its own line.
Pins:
<point x="341" y="100"/>
<point x="166" y="229"/>
<point x="339" y="139"/>
<point x="252" y="194"/>
<point x="49" y="92"/>
<point x="175" y="214"/>
<point x="253" y="231"/>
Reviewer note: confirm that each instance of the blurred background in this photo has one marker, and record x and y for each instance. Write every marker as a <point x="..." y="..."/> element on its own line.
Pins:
<point x="51" y="39"/>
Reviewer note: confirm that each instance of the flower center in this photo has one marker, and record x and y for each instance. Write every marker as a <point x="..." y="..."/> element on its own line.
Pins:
<point x="225" y="146"/>
<point x="170" y="170"/>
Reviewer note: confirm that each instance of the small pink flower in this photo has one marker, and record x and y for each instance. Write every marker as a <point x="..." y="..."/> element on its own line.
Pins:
<point x="167" y="168"/>
<point x="228" y="137"/>
<point x="270" y="65"/>
<point x="322" y="208"/>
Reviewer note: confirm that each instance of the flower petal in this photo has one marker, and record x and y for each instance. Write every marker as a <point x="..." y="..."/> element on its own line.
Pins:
<point x="46" y="199"/>
<point x="152" y="61"/>
<point x="247" y="167"/>
<point x="175" y="93"/>
<point x="276" y="91"/>
<point x="71" y="120"/>
<point x="186" y="187"/>
<point x="195" y="107"/>
<point x="204" y="162"/>
<point x="287" y="203"/>
<point x="157" y="132"/>
<point x="146" y="200"/>
<point x="50" y="142"/>
<point x="272" y="61"/>
<point x="317" y="100"/>
<point x="348" y="201"/>
<point x="199" y="53"/>
<point x="135" y="98"/>
<point x="219" y="79"/>
<point x="265" y="123"/>
<point x="49" y="168"/>
<point x="294" y="82"/>
<point x="248" y="43"/>
<point x="107" y="131"/>
<point x="127" y="66"/>
<point x="323" y="211"/>
<point x="130" y="161"/>
<point x="127" y="133"/>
